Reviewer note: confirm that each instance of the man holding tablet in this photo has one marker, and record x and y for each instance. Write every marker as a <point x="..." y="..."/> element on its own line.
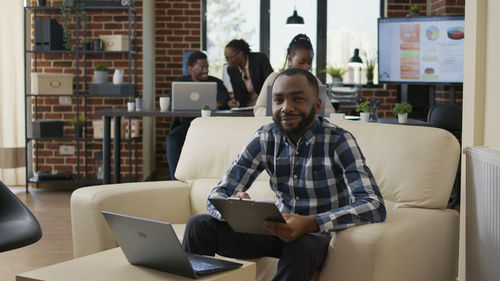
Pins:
<point x="318" y="174"/>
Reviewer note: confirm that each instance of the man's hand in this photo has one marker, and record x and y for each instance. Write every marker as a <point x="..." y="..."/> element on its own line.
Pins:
<point x="295" y="226"/>
<point x="233" y="103"/>
<point x="241" y="195"/>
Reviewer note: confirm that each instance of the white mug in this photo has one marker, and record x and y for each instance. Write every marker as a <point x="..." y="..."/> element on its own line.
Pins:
<point x="164" y="103"/>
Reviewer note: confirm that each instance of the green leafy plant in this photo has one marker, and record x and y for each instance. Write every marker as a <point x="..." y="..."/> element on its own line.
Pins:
<point x="401" y="108"/>
<point x="131" y="99"/>
<point x="205" y="107"/>
<point x="414" y="9"/>
<point x="100" y="67"/>
<point x="66" y="7"/>
<point x="365" y="106"/>
<point x="335" y="72"/>
<point x="370" y="68"/>
<point x="78" y="121"/>
<point x="86" y="41"/>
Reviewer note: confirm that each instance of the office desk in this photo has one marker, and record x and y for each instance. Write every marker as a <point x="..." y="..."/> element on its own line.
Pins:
<point x="117" y="114"/>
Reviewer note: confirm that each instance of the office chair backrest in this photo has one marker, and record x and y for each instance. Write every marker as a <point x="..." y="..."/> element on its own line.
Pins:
<point x="18" y="226"/>
<point x="446" y="116"/>
<point x="185" y="57"/>
<point x="322" y="96"/>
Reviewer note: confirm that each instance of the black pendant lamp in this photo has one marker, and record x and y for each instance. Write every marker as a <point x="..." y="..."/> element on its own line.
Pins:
<point x="355" y="60"/>
<point x="295" y="18"/>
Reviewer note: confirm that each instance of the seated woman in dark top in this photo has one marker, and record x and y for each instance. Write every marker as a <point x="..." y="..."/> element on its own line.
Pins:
<point x="247" y="71"/>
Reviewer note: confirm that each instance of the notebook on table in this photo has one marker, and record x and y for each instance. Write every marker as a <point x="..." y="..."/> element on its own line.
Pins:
<point x="154" y="244"/>
<point x="193" y="95"/>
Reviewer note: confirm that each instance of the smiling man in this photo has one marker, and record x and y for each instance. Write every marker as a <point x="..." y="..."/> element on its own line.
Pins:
<point x="318" y="174"/>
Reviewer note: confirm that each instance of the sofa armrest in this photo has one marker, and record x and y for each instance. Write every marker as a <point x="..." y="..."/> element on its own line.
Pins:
<point x="161" y="200"/>
<point x="412" y="244"/>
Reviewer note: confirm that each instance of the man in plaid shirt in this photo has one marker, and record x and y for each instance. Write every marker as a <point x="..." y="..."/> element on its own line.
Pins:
<point x="318" y="174"/>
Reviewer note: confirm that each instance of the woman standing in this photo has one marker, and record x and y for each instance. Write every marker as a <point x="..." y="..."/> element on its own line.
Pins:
<point x="299" y="54"/>
<point x="247" y="71"/>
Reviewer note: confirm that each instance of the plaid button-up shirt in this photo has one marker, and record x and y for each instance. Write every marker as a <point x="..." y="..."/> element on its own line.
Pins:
<point x="324" y="175"/>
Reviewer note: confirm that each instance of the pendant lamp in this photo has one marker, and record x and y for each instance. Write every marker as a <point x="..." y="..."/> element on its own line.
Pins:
<point x="295" y="18"/>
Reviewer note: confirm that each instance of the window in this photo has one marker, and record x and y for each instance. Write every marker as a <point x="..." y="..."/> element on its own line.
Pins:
<point x="227" y="20"/>
<point x="281" y="34"/>
<point x="352" y="24"/>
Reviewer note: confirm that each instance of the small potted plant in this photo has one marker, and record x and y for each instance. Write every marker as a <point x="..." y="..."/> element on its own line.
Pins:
<point x="100" y="74"/>
<point x="365" y="109"/>
<point x="86" y="44"/>
<point x="131" y="104"/>
<point x="370" y="69"/>
<point x="206" y="110"/>
<point x="413" y="11"/>
<point x="336" y="73"/>
<point x="402" y="110"/>
<point x="78" y="123"/>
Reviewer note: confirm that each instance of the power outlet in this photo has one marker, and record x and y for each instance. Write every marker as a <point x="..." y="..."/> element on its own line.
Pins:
<point x="65" y="100"/>
<point x="66" y="149"/>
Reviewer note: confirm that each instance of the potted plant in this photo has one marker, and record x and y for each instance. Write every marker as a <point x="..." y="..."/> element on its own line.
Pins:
<point x="206" y="110"/>
<point x="78" y="123"/>
<point x="100" y="74"/>
<point x="66" y="7"/>
<point x="413" y="11"/>
<point x="402" y="110"/>
<point x="86" y="44"/>
<point x="336" y="73"/>
<point x="131" y="104"/>
<point x="364" y="109"/>
<point x="370" y="68"/>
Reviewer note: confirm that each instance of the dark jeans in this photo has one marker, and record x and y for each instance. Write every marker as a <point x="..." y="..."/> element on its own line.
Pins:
<point x="174" y="142"/>
<point x="299" y="259"/>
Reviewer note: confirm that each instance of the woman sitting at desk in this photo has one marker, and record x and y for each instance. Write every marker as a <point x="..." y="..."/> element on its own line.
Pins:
<point x="247" y="71"/>
<point x="299" y="54"/>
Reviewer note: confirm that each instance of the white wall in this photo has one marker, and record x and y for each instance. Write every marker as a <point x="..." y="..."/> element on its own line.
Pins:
<point x="481" y="94"/>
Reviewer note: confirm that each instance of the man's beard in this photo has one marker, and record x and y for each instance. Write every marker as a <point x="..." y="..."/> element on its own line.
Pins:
<point x="297" y="131"/>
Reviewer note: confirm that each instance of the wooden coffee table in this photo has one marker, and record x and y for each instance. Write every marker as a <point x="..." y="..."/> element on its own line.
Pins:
<point x="112" y="265"/>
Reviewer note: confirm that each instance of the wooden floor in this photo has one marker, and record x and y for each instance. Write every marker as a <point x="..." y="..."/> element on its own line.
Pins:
<point x="51" y="208"/>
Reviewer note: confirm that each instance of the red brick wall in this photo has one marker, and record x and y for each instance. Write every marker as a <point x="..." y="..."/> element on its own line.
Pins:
<point x="98" y="23"/>
<point x="399" y="8"/>
<point x="178" y="28"/>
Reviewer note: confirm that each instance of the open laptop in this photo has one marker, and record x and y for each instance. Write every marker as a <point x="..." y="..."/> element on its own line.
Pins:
<point x="154" y="244"/>
<point x="193" y="95"/>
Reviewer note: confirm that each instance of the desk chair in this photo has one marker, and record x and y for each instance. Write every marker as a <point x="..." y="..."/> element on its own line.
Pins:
<point x="18" y="226"/>
<point x="449" y="117"/>
<point x="185" y="57"/>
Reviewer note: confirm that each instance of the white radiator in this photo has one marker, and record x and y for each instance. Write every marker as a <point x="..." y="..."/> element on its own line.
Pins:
<point x="483" y="214"/>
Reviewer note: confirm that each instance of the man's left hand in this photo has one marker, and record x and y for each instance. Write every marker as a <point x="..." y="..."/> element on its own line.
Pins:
<point x="295" y="226"/>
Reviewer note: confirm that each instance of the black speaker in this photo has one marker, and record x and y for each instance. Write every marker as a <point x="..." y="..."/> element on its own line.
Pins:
<point x="48" y="35"/>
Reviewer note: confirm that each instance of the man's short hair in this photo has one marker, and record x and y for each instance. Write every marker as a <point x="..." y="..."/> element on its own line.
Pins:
<point x="196" y="55"/>
<point x="311" y="79"/>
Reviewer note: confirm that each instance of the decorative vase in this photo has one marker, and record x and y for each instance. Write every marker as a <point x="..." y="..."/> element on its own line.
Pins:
<point x="206" y="113"/>
<point x="41" y="3"/>
<point x="118" y="77"/>
<point x="337" y="82"/>
<point x="365" y="116"/>
<point x="100" y="77"/>
<point x="402" y="117"/>
<point x="79" y="132"/>
<point x="138" y="104"/>
<point x="130" y="106"/>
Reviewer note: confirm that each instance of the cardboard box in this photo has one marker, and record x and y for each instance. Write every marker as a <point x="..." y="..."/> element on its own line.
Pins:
<point x="51" y="83"/>
<point x="98" y="126"/>
<point x="47" y="129"/>
<point x="115" y="42"/>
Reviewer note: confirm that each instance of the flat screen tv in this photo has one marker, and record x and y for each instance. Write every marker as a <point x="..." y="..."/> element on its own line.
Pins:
<point x="421" y="50"/>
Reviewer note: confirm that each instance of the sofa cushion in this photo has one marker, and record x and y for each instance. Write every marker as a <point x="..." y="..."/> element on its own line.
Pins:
<point x="413" y="165"/>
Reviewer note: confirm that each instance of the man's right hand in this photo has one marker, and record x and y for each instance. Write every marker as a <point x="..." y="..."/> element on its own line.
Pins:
<point x="241" y="195"/>
<point x="233" y="103"/>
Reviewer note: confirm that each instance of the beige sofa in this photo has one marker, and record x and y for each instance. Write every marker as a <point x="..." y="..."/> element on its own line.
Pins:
<point x="414" y="167"/>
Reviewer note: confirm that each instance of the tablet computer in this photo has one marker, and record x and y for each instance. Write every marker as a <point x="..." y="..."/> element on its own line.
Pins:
<point x="246" y="215"/>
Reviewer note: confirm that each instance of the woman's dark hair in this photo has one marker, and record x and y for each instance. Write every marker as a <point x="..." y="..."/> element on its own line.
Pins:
<point x="300" y="41"/>
<point x="240" y="45"/>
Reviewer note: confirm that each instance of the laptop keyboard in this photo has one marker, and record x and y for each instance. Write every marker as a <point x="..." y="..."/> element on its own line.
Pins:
<point x="201" y="266"/>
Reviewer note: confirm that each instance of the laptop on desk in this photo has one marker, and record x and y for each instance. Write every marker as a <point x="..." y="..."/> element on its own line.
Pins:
<point x="193" y="95"/>
<point x="154" y="244"/>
